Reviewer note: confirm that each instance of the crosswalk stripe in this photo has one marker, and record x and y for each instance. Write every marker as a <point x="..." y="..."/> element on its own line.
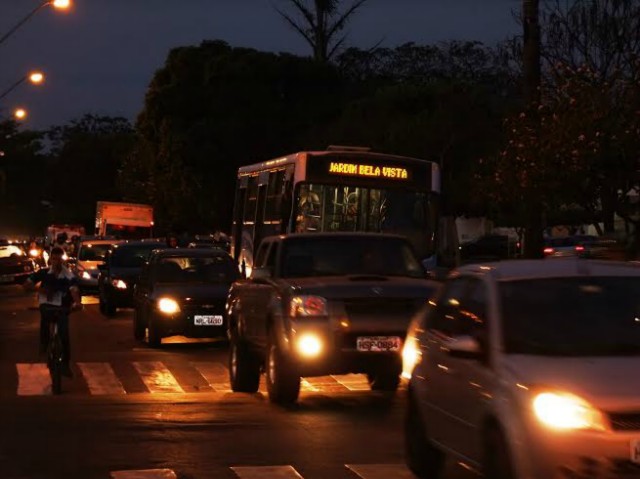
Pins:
<point x="353" y="382"/>
<point x="267" y="472"/>
<point x="145" y="474"/>
<point x="101" y="379"/>
<point x="33" y="379"/>
<point x="215" y="374"/>
<point x="157" y="377"/>
<point x="381" y="471"/>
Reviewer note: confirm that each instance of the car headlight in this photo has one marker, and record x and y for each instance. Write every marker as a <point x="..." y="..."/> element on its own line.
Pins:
<point x="34" y="253"/>
<point x="168" y="306"/>
<point x="566" y="411"/>
<point x="308" y="306"/>
<point x="119" y="284"/>
<point x="86" y="275"/>
<point x="411" y="355"/>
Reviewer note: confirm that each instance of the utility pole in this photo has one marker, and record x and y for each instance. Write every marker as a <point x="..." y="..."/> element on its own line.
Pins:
<point x="533" y="244"/>
<point x="531" y="50"/>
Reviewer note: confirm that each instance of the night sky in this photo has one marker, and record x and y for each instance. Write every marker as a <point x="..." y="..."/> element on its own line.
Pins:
<point x="100" y="56"/>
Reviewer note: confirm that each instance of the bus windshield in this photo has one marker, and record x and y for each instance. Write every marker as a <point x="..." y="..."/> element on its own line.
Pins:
<point x="327" y="208"/>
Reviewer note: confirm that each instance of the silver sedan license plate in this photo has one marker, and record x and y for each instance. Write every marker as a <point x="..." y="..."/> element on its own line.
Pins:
<point x="635" y="451"/>
<point x="379" y="343"/>
<point x="208" y="320"/>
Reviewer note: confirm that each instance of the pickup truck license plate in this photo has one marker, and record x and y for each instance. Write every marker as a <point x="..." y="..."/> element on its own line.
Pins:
<point x="379" y="343"/>
<point x="635" y="451"/>
<point x="202" y="320"/>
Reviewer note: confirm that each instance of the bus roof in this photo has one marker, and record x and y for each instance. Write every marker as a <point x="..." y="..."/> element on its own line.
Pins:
<point x="295" y="157"/>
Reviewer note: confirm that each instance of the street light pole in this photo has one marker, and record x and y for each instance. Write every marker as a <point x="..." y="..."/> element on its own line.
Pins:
<point x="36" y="78"/>
<point x="58" y="4"/>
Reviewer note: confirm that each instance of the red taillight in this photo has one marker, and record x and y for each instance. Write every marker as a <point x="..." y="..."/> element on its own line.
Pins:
<point x="579" y="248"/>
<point x="548" y="251"/>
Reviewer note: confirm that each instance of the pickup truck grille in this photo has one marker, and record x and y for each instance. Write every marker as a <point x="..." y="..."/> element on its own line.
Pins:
<point x="380" y="306"/>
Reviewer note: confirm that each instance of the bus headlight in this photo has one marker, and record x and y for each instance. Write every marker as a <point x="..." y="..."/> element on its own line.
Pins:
<point x="309" y="345"/>
<point x="168" y="306"/>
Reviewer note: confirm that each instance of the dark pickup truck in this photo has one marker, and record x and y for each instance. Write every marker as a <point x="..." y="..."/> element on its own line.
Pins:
<point x="326" y="303"/>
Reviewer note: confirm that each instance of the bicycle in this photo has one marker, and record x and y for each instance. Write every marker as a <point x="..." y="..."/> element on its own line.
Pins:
<point x="55" y="349"/>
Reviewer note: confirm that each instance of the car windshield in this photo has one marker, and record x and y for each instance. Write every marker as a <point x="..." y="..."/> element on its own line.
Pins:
<point x="198" y="269"/>
<point x="93" y="252"/>
<point x="585" y="316"/>
<point x="321" y="256"/>
<point x="132" y="256"/>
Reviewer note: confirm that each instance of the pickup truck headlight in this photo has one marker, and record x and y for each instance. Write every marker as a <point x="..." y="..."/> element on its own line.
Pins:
<point x="303" y="306"/>
<point x="168" y="306"/>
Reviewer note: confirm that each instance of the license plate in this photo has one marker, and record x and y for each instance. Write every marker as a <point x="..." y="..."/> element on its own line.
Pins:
<point x="379" y="343"/>
<point x="635" y="451"/>
<point x="216" y="320"/>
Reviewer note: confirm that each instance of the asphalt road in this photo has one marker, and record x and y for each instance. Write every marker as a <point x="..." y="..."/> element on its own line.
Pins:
<point x="130" y="408"/>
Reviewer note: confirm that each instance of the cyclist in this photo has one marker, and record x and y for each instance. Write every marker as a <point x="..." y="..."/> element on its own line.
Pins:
<point x="58" y="286"/>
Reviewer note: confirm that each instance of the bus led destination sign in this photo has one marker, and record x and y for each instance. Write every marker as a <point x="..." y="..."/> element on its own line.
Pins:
<point x="368" y="171"/>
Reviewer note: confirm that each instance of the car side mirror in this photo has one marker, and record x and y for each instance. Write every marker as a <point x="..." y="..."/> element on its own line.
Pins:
<point x="465" y="347"/>
<point x="261" y="273"/>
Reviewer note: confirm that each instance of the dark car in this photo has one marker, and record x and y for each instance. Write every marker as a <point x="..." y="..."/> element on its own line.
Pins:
<point x="183" y="292"/>
<point x="489" y="248"/>
<point x="325" y="303"/>
<point x="15" y="265"/>
<point x="119" y="273"/>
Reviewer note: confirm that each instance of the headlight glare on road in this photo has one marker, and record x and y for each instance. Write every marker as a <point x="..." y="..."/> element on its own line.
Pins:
<point x="308" y="306"/>
<point x="564" y="411"/>
<point x="411" y="356"/>
<point x="168" y="306"/>
<point x="118" y="283"/>
<point x="309" y="345"/>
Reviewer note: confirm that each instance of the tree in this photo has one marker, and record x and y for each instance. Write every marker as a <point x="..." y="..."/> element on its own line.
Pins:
<point x="83" y="165"/>
<point x="22" y="176"/>
<point x="213" y="108"/>
<point x="603" y="37"/>
<point x="320" y="23"/>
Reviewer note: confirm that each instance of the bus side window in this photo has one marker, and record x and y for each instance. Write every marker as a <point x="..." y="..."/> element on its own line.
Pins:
<point x="251" y="200"/>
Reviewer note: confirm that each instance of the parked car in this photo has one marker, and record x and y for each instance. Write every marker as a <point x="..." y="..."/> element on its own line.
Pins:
<point x="527" y="370"/>
<point x="183" y="292"/>
<point x="489" y="248"/>
<point x="15" y="264"/>
<point x="119" y="274"/>
<point x="91" y="254"/>
<point x="319" y="304"/>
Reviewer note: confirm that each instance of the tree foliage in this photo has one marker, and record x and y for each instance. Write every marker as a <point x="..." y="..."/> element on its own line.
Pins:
<point x="321" y="23"/>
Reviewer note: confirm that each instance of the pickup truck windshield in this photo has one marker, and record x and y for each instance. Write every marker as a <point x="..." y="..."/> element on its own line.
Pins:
<point x="321" y="256"/>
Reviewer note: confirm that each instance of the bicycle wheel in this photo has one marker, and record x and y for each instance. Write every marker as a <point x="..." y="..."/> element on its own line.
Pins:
<point x="55" y="364"/>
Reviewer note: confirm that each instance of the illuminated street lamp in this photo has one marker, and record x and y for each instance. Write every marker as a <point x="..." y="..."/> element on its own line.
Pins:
<point x="59" y="5"/>
<point x="35" y="78"/>
<point x="20" y="114"/>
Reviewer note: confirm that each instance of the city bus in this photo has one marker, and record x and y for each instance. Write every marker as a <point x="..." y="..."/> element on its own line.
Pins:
<point x="346" y="189"/>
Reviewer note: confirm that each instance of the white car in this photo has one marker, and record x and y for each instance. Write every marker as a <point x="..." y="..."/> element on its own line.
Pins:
<point x="90" y="255"/>
<point x="528" y="370"/>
